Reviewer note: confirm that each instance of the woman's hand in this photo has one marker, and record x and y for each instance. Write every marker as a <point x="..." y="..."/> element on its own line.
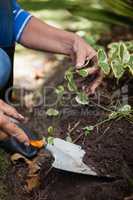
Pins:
<point x="81" y="54"/>
<point x="7" y="126"/>
<point x="41" y="36"/>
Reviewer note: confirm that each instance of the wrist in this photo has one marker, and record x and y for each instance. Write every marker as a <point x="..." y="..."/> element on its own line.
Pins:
<point x="72" y="42"/>
<point x="68" y="43"/>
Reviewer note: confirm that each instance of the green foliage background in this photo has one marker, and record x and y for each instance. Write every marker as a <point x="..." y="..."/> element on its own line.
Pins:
<point x="107" y="11"/>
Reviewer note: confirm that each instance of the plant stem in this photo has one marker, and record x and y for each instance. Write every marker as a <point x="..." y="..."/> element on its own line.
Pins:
<point x="102" y="107"/>
<point x="102" y="122"/>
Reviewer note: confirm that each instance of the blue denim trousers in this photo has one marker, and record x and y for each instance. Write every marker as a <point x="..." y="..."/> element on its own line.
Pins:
<point x="5" y="68"/>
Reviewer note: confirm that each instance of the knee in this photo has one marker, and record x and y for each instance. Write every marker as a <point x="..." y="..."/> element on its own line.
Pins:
<point x="5" y="68"/>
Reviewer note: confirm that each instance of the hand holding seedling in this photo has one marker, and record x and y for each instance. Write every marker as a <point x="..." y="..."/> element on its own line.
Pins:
<point x="41" y="36"/>
<point x="7" y="127"/>
<point x="85" y="54"/>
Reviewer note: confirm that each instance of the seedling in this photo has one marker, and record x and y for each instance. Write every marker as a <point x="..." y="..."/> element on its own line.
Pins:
<point x="118" y="60"/>
<point x="80" y="96"/>
<point x="51" y="112"/>
<point x="122" y="112"/>
<point x="83" y="72"/>
<point x="50" y="139"/>
<point x="60" y="90"/>
<point x="50" y="130"/>
<point x="88" y="130"/>
<point x="69" y="76"/>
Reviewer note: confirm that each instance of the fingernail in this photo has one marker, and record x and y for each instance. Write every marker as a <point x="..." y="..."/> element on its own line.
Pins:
<point x="20" y="116"/>
<point x="79" y="64"/>
<point x="27" y="144"/>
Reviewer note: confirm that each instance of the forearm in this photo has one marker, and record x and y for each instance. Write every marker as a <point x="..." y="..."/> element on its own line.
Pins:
<point x="41" y="36"/>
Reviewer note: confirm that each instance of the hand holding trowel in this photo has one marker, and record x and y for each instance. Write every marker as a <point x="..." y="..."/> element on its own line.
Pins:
<point x="67" y="156"/>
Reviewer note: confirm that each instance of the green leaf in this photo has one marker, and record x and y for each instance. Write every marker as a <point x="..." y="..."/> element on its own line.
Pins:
<point x="130" y="64"/>
<point x="88" y="130"/>
<point x="72" y="86"/>
<point x="105" y="68"/>
<point x="102" y="55"/>
<point x="52" y="112"/>
<point x="103" y="61"/>
<point x="113" y="45"/>
<point x="50" y="140"/>
<point x="69" y="75"/>
<point x="83" y="72"/>
<point x="129" y="45"/>
<point x="113" y="53"/>
<point x="126" y="108"/>
<point x="70" y="79"/>
<point x="123" y="53"/>
<point x="60" y="90"/>
<point x="50" y="130"/>
<point x="117" y="68"/>
<point x="82" y="98"/>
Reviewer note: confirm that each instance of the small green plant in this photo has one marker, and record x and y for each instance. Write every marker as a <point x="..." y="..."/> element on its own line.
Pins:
<point x="51" y="112"/>
<point x="60" y="90"/>
<point x="129" y="45"/>
<point x="50" y="130"/>
<point x="122" y="112"/>
<point x="125" y="111"/>
<point x="118" y="60"/>
<point x="88" y="130"/>
<point x="80" y="96"/>
<point x="83" y="72"/>
<point x="50" y="138"/>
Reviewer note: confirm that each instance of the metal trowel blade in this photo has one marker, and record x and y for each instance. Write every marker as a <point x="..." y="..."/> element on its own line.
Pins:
<point x="69" y="157"/>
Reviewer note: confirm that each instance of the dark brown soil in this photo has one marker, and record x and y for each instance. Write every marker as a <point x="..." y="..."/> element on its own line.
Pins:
<point x="79" y="187"/>
<point x="108" y="151"/>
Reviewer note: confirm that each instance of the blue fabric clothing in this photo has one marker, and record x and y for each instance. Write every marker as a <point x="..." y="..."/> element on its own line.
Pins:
<point x="5" y="68"/>
<point x="6" y="23"/>
<point x="13" y="20"/>
<point x="20" y="20"/>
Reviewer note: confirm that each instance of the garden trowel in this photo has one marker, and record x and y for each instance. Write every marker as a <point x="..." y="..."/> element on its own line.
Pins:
<point x="67" y="156"/>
